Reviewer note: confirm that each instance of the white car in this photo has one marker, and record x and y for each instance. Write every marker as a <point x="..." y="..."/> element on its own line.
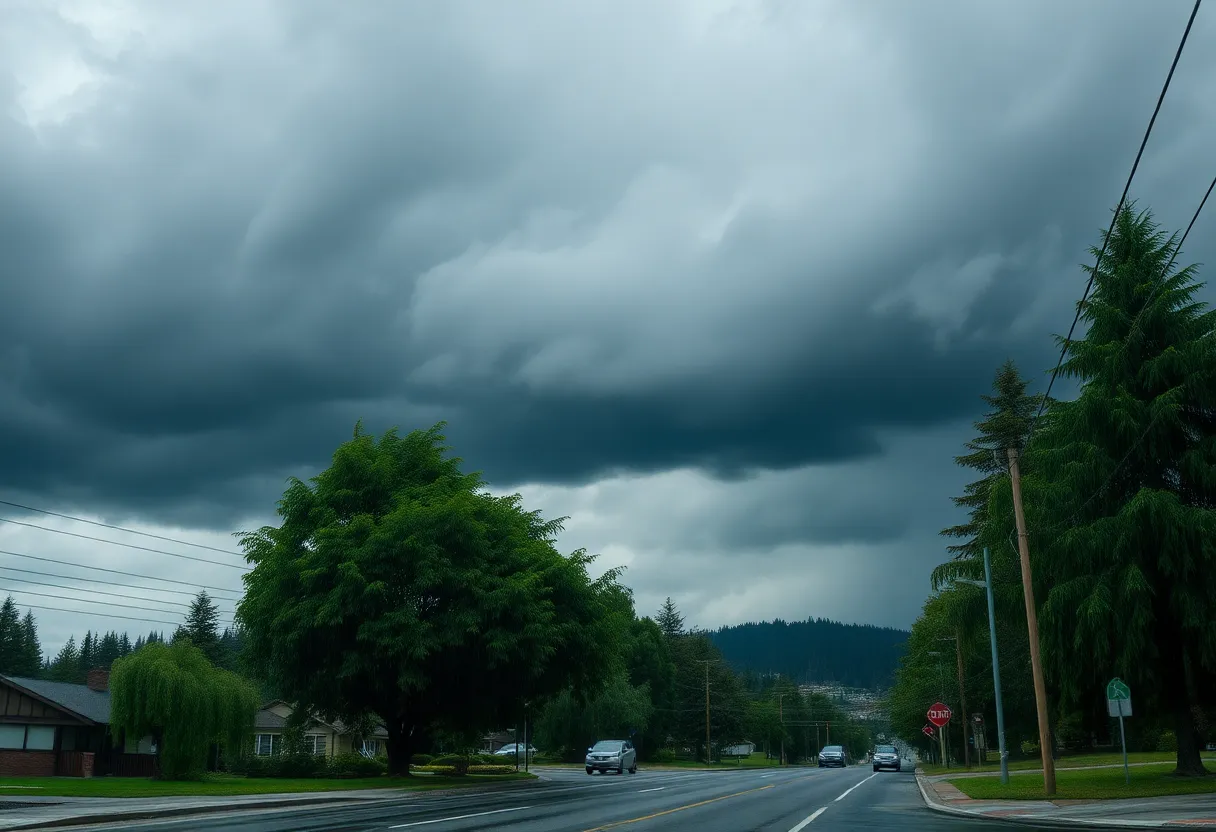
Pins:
<point x="612" y="755"/>
<point x="513" y="749"/>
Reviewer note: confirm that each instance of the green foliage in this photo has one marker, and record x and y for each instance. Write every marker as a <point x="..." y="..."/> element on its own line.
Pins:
<point x="174" y="694"/>
<point x="1168" y="741"/>
<point x="421" y="759"/>
<point x="568" y="726"/>
<point x="20" y="653"/>
<point x="457" y="763"/>
<point x="201" y="627"/>
<point x="669" y="619"/>
<point x="65" y="667"/>
<point x="491" y="769"/>
<point x="397" y="585"/>
<point x="1121" y="489"/>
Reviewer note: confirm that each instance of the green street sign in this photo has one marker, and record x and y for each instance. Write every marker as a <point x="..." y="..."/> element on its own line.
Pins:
<point x="1117" y="690"/>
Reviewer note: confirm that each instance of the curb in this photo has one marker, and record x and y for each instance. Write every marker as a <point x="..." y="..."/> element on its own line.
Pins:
<point x="1047" y="822"/>
<point x="149" y="814"/>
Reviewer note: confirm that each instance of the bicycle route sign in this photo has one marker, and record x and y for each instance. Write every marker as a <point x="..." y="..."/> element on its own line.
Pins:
<point x="1118" y="698"/>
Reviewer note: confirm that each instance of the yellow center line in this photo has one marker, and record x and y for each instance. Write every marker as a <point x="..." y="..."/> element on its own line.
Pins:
<point x="615" y="824"/>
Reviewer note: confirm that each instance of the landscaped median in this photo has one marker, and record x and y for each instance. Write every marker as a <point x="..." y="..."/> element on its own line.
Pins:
<point x="1087" y="784"/>
<point x="227" y="785"/>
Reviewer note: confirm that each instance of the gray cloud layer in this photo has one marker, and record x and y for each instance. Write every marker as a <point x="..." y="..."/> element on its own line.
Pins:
<point x="596" y="237"/>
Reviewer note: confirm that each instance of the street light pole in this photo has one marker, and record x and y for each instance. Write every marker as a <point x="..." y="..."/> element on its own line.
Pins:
<point x="996" y="664"/>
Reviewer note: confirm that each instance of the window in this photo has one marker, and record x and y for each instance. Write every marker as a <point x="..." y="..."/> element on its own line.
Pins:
<point x="12" y="736"/>
<point x="314" y="744"/>
<point x="371" y="748"/>
<point x="40" y="738"/>
<point x="267" y="745"/>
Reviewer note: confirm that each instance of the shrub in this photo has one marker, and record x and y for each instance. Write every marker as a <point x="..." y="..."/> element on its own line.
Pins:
<point x="433" y="769"/>
<point x="489" y="769"/>
<point x="664" y="755"/>
<point x="1168" y="741"/>
<point x="458" y="762"/>
<point x="356" y="765"/>
<point x="1030" y="748"/>
<point x="421" y="759"/>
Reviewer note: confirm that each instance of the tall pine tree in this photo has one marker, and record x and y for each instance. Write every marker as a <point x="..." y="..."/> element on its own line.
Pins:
<point x="1125" y="488"/>
<point x="202" y="627"/>
<point x="669" y="619"/>
<point x="31" y="649"/>
<point x="65" y="667"/>
<point x="10" y="637"/>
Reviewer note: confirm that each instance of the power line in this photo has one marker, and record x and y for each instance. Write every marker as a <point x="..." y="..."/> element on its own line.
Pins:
<point x="128" y="545"/>
<point x="109" y="593"/>
<point x="109" y="583"/>
<point x="102" y="615"/>
<point x="120" y="572"/>
<point x="1114" y="218"/>
<point x="120" y="528"/>
<point x="84" y="601"/>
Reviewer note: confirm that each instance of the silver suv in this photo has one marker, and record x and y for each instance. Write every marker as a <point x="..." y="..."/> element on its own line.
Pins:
<point x="612" y="755"/>
<point x="885" y="756"/>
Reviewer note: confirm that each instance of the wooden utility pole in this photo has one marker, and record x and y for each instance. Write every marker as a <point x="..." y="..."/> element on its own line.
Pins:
<point x="781" y="719"/>
<point x="1032" y="623"/>
<point x="962" y="697"/>
<point x="708" y="753"/>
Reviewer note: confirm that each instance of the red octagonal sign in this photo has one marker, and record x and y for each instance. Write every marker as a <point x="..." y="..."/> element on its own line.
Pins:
<point x="940" y="714"/>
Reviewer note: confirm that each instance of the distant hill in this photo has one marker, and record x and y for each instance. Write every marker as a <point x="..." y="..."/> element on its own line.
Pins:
<point x="815" y="650"/>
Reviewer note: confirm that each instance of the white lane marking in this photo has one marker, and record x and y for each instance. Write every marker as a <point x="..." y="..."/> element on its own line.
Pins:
<point x="655" y="789"/>
<point x="762" y="776"/>
<point x="846" y="794"/>
<point x="460" y="817"/>
<point x="808" y="821"/>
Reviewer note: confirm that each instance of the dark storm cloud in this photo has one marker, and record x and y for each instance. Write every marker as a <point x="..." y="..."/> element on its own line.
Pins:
<point x="593" y="237"/>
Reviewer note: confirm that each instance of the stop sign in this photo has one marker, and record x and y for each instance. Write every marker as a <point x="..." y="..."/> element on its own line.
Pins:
<point x="928" y="731"/>
<point x="940" y="714"/>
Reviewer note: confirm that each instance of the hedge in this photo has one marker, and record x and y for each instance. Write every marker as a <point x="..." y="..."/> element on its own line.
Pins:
<point x="309" y="766"/>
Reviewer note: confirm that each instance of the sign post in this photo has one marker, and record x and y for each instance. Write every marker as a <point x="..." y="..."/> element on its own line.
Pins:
<point x="939" y="714"/>
<point x="1119" y="703"/>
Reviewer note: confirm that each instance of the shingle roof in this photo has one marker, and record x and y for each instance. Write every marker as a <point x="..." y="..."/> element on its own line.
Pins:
<point x="91" y="704"/>
<point x="269" y="719"/>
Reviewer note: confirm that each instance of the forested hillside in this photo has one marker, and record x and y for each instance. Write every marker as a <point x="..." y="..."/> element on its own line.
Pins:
<point x="815" y="650"/>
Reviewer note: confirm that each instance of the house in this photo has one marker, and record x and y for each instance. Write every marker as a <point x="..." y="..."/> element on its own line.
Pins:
<point x="495" y="741"/>
<point x="320" y="737"/>
<point x="55" y="728"/>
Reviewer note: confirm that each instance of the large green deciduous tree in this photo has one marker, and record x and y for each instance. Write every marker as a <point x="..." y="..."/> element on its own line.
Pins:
<point x="174" y="694"/>
<point x="1124" y="488"/>
<point x="397" y="585"/>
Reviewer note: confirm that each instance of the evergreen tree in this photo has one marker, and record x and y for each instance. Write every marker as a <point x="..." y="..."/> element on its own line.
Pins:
<point x="124" y="645"/>
<point x="65" y="667"/>
<point x="1004" y="426"/>
<point x="669" y="619"/>
<point x="10" y="637"/>
<point x="1126" y="501"/>
<point x="88" y="655"/>
<point x="202" y="626"/>
<point x="108" y="650"/>
<point x="31" y="648"/>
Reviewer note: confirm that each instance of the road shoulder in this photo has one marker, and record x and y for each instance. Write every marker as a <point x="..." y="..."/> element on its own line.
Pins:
<point x="1192" y="811"/>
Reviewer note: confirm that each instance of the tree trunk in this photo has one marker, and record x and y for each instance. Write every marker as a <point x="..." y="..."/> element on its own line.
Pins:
<point x="400" y="747"/>
<point x="1189" y="761"/>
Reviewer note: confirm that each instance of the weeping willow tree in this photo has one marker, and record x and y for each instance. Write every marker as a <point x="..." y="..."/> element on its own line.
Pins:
<point x="1123" y="489"/>
<point x="174" y="694"/>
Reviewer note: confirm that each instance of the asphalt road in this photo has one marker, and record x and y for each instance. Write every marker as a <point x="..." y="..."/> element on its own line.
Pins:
<point x="789" y="800"/>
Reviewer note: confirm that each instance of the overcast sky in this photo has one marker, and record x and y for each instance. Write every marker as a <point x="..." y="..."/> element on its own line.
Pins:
<point x="722" y="280"/>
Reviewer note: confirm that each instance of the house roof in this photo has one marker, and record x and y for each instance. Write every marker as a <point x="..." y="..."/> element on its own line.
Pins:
<point x="80" y="700"/>
<point x="268" y="720"/>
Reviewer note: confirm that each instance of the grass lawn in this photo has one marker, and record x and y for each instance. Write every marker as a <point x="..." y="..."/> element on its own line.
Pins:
<point x="1068" y="761"/>
<point x="1093" y="784"/>
<point x="219" y="785"/>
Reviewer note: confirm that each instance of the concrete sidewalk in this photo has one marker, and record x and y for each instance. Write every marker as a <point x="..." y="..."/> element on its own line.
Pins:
<point x="1193" y="811"/>
<point x="27" y="811"/>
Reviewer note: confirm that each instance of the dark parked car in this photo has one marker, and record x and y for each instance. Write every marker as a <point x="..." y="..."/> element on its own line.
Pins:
<point x="885" y="756"/>
<point x="833" y="755"/>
